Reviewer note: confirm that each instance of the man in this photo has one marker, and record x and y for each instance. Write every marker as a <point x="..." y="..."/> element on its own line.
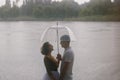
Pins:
<point x="67" y="60"/>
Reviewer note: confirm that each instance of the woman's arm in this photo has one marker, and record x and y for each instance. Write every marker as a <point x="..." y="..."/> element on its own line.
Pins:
<point x="59" y="58"/>
<point x="56" y="61"/>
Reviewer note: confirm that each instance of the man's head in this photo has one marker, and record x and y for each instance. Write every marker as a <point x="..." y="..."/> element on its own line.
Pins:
<point x="65" y="41"/>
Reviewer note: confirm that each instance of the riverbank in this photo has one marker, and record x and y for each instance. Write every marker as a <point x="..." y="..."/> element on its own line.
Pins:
<point x="83" y="18"/>
<point x="96" y="18"/>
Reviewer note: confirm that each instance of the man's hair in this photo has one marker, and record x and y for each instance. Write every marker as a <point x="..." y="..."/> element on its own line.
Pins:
<point x="65" y="38"/>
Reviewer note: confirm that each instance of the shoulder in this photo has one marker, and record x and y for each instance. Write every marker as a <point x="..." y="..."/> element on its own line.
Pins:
<point x="46" y="59"/>
<point x="69" y="52"/>
<point x="68" y="55"/>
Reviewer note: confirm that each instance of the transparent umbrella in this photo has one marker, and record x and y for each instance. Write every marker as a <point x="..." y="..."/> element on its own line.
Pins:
<point x="52" y="34"/>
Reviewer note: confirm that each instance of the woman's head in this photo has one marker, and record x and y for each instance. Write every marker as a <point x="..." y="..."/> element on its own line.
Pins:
<point x="46" y="48"/>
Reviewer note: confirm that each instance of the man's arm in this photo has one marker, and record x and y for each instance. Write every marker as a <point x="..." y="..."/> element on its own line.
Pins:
<point x="64" y="70"/>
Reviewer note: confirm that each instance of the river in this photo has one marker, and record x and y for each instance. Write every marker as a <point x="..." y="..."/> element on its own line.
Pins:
<point x="97" y="50"/>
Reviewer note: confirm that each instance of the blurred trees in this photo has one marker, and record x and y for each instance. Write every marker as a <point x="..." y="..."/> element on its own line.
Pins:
<point x="59" y="10"/>
<point x="6" y="12"/>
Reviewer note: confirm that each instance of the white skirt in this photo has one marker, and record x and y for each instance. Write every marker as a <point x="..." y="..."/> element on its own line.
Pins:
<point x="55" y="73"/>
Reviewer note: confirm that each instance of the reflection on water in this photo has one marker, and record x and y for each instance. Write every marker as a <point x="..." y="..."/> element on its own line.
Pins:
<point x="96" y="50"/>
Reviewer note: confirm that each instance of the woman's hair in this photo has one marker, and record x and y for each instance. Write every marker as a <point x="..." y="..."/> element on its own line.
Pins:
<point x="45" y="48"/>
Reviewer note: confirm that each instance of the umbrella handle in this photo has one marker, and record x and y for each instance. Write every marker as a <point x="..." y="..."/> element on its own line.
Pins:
<point x="57" y="38"/>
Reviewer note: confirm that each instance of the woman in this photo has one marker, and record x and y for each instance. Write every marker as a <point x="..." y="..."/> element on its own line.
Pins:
<point x="50" y="62"/>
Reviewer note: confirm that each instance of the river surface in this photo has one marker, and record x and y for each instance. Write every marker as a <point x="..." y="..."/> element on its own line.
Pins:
<point x="97" y="50"/>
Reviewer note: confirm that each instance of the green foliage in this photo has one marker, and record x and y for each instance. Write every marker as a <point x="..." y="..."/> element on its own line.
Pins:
<point x="94" y="9"/>
<point x="38" y="12"/>
<point x="56" y="10"/>
<point x="6" y="11"/>
<point x="60" y="10"/>
<point x="14" y="11"/>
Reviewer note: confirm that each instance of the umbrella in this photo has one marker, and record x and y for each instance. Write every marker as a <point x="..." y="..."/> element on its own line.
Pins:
<point x="52" y="34"/>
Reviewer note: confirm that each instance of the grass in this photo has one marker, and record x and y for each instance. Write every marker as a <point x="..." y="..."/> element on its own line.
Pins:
<point x="96" y="18"/>
<point x="82" y="18"/>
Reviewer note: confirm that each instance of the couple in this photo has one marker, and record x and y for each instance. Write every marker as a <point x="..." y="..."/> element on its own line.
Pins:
<point x="52" y="64"/>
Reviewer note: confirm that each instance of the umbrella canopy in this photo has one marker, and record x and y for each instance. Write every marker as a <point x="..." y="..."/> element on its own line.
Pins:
<point x="52" y="34"/>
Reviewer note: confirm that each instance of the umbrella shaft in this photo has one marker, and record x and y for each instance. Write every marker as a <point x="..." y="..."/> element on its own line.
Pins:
<point x="57" y="40"/>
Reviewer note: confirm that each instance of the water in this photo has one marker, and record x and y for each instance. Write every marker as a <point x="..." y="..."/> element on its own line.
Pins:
<point x="97" y="50"/>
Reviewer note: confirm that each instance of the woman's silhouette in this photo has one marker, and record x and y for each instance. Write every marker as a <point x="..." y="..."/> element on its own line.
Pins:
<point x="50" y="62"/>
